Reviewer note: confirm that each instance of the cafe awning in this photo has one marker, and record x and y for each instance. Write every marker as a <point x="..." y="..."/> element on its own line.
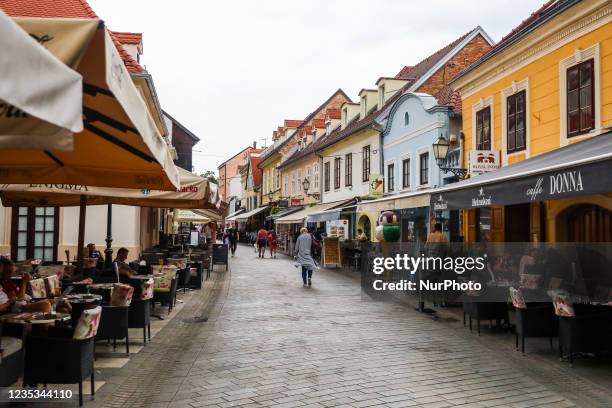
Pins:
<point x="324" y="216"/>
<point x="299" y="216"/>
<point x="581" y="168"/>
<point x="40" y="97"/>
<point x="232" y="216"/>
<point x="120" y="145"/>
<point x="213" y="215"/>
<point x="245" y="216"/>
<point x="195" y="193"/>
<point x="413" y="199"/>
<point x="189" y="216"/>
<point x="283" y="212"/>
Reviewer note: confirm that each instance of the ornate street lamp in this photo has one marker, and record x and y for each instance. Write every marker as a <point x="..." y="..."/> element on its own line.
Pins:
<point x="270" y="196"/>
<point x="441" y="148"/>
<point x="306" y="185"/>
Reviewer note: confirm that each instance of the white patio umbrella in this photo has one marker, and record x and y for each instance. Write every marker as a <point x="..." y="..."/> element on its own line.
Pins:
<point x="41" y="98"/>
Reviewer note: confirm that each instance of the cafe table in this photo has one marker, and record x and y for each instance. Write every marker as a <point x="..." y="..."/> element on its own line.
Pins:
<point x="79" y="302"/>
<point x="35" y="318"/>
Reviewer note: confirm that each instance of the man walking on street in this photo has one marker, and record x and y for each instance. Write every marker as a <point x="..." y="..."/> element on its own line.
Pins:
<point x="262" y="236"/>
<point x="303" y="256"/>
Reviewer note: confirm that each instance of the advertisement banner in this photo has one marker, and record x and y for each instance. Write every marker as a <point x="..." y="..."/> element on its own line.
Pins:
<point x="482" y="161"/>
<point x="376" y="185"/>
<point x="337" y="229"/>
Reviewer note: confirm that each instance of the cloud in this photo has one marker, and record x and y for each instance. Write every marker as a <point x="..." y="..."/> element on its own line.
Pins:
<point x="232" y="71"/>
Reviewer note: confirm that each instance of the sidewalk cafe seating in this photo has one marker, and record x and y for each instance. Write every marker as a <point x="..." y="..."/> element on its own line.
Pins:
<point x="475" y="308"/>
<point x="533" y="319"/>
<point x="139" y="313"/>
<point x="11" y="358"/>
<point x="583" y="328"/>
<point x="62" y="357"/>
<point x="164" y="290"/>
<point x="114" y="319"/>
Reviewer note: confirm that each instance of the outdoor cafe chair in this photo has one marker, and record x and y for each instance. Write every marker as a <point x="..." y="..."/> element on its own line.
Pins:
<point x="114" y="319"/>
<point x="583" y="328"/>
<point x="533" y="319"/>
<point x="139" y="312"/>
<point x="164" y="291"/>
<point x="483" y="311"/>
<point x="63" y="359"/>
<point x="11" y="357"/>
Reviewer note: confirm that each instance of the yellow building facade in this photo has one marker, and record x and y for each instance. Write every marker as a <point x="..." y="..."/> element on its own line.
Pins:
<point x="547" y="85"/>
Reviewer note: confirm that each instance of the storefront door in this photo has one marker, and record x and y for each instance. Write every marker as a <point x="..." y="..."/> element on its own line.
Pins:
<point x="589" y="223"/>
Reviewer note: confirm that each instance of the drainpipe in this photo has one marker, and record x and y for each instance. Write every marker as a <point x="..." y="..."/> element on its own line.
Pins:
<point x="461" y="147"/>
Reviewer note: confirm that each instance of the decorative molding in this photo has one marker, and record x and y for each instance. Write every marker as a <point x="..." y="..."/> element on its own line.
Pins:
<point x="577" y="57"/>
<point x="483" y="103"/>
<point x="560" y="36"/>
<point x="505" y="93"/>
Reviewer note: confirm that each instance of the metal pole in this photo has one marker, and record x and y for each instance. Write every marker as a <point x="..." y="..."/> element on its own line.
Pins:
<point x="108" y="252"/>
<point x="81" y="238"/>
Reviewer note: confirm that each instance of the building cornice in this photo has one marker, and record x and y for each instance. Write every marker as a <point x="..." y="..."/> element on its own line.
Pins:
<point x="551" y="36"/>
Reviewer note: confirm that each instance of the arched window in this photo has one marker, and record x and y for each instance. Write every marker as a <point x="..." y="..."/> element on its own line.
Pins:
<point x="406" y="119"/>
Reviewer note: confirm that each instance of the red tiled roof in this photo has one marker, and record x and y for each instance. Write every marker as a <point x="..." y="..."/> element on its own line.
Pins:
<point x="128" y="38"/>
<point x="319" y="123"/>
<point x="448" y="96"/>
<point x="333" y="114"/>
<point x="415" y="73"/>
<point x="403" y="72"/>
<point x="48" y="8"/>
<point x="64" y="9"/>
<point x="292" y="123"/>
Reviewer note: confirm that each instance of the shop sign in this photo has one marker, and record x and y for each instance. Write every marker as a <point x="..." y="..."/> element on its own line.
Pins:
<point x="296" y="202"/>
<point x="337" y="229"/>
<point x="283" y="203"/>
<point x="376" y="185"/>
<point x="482" y="161"/>
<point x="583" y="180"/>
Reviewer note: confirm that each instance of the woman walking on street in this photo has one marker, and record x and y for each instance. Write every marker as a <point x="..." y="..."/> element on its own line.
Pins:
<point x="272" y="244"/>
<point x="303" y="256"/>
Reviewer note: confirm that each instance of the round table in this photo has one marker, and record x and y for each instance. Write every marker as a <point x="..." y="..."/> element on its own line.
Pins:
<point x="35" y="318"/>
<point x="79" y="302"/>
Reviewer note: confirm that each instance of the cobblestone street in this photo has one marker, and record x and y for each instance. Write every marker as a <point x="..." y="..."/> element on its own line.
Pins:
<point x="256" y="337"/>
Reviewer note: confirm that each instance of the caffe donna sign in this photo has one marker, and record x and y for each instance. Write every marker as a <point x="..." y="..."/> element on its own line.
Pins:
<point x="592" y="178"/>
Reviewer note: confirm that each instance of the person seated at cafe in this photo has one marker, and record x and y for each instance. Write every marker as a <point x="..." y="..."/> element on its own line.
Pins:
<point x="361" y="236"/>
<point x="122" y="266"/>
<point x="17" y="297"/>
<point x="93" y="252"/>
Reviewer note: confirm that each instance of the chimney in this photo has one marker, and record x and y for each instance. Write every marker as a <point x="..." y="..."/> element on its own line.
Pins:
<point x="254" y="145"/>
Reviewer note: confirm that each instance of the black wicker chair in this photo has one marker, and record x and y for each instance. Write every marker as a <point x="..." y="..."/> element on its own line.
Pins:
<point x="166" y="298"/>
<point x="54" y="360"/>
<point x="184" y="276"/>
<point x="114" y="325"/>
<point x="11" y="364"/>
<point x="537" y="320"/>
<point x="590" y="331"/>
<point x="479" y="311"/>
<point x="139" y="317"/>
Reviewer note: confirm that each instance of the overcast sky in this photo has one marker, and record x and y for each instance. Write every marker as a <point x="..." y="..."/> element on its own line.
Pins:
<point x="232" y="70"/>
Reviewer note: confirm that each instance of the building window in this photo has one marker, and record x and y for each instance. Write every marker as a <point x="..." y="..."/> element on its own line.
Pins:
<point x="424" y="170"/>
<point x="299" y="182"/>
<point x="365" y="165"/>
<point x="286" y="187"/>
<point x="277" y="179"/>
<point x="35" y="233"/>
<point x="483" y="129"/>
<point x="516" y="127"/>
<point x="580" y="98"/>
<point x="315" y="174"/>
<point x="406" y="119"/>
<point x="348" y="169"/>
<point x="326" y="176"/>
<point x="405" y="173"/>
<point x="293" y="186"/>
<point x="337" y="172"/>
<point x="390" y="177"/>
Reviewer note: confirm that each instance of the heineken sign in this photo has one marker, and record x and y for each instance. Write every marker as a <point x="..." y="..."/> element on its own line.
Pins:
<point x="587" y="179"/>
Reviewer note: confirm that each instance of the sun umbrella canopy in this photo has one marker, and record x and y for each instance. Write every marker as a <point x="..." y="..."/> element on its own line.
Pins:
<point x="40" y="97"/>
<point x="189" y="216"/>
<point x="120" y="145"/>
<point x="195" y="192"/>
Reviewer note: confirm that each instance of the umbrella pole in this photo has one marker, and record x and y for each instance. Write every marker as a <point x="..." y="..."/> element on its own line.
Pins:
<point x="81" y="238"/>
<point x="108" y="252"/>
